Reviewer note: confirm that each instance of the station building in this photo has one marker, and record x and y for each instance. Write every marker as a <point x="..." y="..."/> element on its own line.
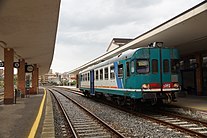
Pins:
<point x="188" y="33"/>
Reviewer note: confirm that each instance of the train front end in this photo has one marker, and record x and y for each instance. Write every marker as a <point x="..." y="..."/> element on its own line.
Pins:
<point x="157" y="69"/>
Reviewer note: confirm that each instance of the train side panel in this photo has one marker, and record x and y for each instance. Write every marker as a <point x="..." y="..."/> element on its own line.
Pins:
<point x="148" y="73"/>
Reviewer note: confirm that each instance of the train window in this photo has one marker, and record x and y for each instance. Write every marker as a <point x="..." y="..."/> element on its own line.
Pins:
<point x="175" y="66"/>
<point x="96" y="74"/>
<point x="106" y="73"/>
<point x="154" y="66"/>
<point x="142" y="66"/>
<point x="128" y="69"/>
<point x="88" y="77"/>
<point x="81" y="77"/>
<point x="112" y="76"/>
<point x="101" y="74"/>
<point x="165" y="66"/>
<point x="120" y="70"/>
<point x="85" y="77"/>
<point x="132" y="67"/>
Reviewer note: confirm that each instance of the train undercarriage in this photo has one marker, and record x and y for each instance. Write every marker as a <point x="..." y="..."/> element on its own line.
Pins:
<point x="152" y="98"/>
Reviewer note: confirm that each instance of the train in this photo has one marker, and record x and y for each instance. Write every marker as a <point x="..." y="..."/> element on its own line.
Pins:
<point x="145" y="74"/>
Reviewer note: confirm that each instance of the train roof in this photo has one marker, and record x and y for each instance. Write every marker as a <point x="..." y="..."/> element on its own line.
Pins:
<point x="121" y="56"/>
<point x="124" y="55"/>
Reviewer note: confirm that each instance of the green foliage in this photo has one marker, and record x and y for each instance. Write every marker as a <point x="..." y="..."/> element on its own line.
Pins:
<point x="73" y="83"/>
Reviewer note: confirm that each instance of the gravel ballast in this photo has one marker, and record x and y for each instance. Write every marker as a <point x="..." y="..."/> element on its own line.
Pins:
<point x="128" y="124"/>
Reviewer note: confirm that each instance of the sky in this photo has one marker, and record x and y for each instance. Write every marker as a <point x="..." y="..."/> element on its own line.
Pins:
<point x="86" y="28"/>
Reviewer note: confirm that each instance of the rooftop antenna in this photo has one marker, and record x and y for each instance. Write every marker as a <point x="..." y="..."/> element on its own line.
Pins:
<point x="156" y="44"/>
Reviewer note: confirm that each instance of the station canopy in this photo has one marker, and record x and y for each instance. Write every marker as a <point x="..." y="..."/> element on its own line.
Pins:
<point x="29" y="27"/>
<point x="187" y="32"/>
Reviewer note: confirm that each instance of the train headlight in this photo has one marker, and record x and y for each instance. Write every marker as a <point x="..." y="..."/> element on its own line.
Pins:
<point x="176" y="85"/>
<point x="145" y="86"/>
<point x="166" y="86"/>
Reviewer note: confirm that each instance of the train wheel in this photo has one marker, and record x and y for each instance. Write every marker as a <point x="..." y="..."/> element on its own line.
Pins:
<point x="99" y="95"/>
<point x="85" y="93"/>
<point x="138" y="105"/>
<point x="134" y="104"/>
<point x="120" y="101"/>
<point x="160" y="102"/>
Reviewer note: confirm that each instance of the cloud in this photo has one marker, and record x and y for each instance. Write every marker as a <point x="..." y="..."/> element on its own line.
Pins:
<point x="99" y="14"/>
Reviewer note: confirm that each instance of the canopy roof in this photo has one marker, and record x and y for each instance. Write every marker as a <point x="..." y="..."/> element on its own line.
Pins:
<point x="29" y="27"/>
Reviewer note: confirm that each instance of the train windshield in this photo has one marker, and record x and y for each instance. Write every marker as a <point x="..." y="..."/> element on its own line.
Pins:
<point x="142" y="66"/>
<point x="175" y="66"/>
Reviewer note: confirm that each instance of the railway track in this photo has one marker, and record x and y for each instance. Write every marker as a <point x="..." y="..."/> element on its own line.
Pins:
<point x="82" y="122"/>
<point x="191" y="126"/>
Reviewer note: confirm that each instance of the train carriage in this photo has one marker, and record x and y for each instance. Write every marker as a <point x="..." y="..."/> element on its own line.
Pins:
<point x="147" y="73"/>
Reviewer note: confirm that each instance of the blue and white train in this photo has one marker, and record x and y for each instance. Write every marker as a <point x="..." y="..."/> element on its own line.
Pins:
<point x="143" y="74"/>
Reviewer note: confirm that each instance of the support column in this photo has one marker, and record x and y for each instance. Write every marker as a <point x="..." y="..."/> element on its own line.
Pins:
<point x="186" y="63"/>
<point x="77" y="81"/>
<point x="34" y="80"/>
<point x="37" y="80"/>
<point x="21" y="78"/>
<point x="199" y="74"/>
<point x="8" y="76"/>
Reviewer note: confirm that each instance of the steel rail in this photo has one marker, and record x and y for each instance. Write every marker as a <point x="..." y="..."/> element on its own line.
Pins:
<point x="184" y="117"/>
<point x="92" y="114"/>
<point x="173" y="125"/>
<point x="65" y="115"/>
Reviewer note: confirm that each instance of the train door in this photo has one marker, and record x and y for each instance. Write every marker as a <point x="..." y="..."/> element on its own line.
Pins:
<point x="92" y="91"/>
<point x="126" y="73"/>
<point x="166" y="70"/>
<point x="155" y="58"/>
<point x="160" y="65"/>
<point x="119" y="73"/>
<point x="129" y="75"/>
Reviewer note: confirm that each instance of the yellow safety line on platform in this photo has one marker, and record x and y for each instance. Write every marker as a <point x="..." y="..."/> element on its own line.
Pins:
<point x="37" y="120"/>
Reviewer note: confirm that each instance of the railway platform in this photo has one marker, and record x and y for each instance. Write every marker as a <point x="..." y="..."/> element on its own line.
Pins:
<point x="191" y="105"/>
<point x="193" y="102"/>
<point x="20" y="120"/>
